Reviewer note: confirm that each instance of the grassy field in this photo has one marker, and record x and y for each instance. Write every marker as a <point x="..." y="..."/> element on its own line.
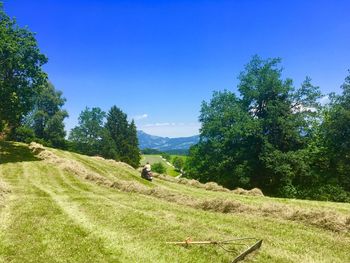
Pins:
<point x="154" y="158"/>
<point x="66" y="207"/>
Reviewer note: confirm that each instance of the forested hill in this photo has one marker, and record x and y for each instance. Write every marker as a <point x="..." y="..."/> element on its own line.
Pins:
<point x="165" y="143"/>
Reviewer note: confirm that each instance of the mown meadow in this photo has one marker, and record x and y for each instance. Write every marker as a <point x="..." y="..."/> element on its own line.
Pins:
<point x="58" y="206"/>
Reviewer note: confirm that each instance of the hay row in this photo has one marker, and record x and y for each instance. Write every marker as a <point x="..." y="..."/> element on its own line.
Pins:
<point x="326" y="220"/>
<point x="210" y="186"/>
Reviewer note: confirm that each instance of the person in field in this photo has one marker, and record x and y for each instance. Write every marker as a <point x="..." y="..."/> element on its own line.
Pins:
<point x="146" y="172"/>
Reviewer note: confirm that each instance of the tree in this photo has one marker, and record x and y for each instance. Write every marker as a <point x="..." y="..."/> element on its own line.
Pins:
<point x="335" y="134"/>
<point x="87" y="136"/>
<point x="109" y="149"/>
<point x="133" y="153"/>
<point x="117" y="126"/>
<point x="178" y="163"/>
<point x="253" y="140"/>
<point x="21" y="75"/>
<point x="120" y="139"/>
<point x="46" y="119"/>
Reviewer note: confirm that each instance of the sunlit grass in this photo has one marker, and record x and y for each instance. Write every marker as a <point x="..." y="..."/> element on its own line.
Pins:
<point x="52" y="215"/>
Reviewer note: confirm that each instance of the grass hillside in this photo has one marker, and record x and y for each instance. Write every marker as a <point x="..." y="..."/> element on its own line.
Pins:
<point x="57" y="206"/>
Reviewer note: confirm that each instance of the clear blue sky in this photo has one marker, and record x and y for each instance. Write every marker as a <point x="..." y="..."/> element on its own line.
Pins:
<point x="157" y="60"/>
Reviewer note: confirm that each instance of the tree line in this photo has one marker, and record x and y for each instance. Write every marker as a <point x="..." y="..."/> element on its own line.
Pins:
<point x="109" y="135"/>
<point x="275" y="136"/>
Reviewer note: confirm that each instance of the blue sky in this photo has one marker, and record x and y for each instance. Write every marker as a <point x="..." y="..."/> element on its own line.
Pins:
<point x="158" y="60"/>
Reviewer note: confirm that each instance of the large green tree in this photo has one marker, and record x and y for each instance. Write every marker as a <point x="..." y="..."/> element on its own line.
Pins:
<point x="120" y="139"/>
<point x="133" y="151"/>
<point x="87" y="136"/>
<point x="21" y="75"/>
<point x="253" y="139"/>
<point x="46" y="119"/>
<point x="335" y="133"/>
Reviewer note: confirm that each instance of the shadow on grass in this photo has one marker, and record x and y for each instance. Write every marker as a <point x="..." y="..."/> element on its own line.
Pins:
<point x="11" y="152"/>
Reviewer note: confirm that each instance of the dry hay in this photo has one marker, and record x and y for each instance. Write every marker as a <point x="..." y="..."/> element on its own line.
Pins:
<point x="67" y="164"/>
<point x="324" y="219"/>
<point x="212" y="186"/>
<point x="252" y="192"/>
<point x="347" y="221"/>
<point x="36" y="148"/>
<point x="223" y="206"/>
<point x="126" y="186"/>
<point x="191" y="182"/>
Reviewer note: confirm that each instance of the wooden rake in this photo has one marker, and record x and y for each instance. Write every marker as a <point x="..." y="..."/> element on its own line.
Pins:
<point x="221" y="244"/>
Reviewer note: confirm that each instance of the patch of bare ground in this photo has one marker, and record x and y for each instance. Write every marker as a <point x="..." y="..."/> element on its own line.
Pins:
<point x="324" y="219"/>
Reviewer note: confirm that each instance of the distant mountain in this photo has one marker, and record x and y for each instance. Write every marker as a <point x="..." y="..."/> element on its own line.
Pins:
<point x="165" y="143"/>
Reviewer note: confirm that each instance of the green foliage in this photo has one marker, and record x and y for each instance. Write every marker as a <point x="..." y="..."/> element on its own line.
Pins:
<point x="150" y="151"/>
<point x="120" y="139"/>
<point x="183" y="152"/>
<point x="158" y="168"/>
<point x="24" y="134"/>
<point x="108" y="146"/>
<point x="256" y="139"/>
<point x="20" y="71"/>
<point x="88" y="134"/>
<point x="115" y="139"/>
<point x="46" y="119"/>
<point x="335" y="135"/>
<point x="178" y="162"/>
<point x="44" y="123"/>
<point x="166" y="156"/>
<point x="133" y="156"/>
<point x="54" y="133"/>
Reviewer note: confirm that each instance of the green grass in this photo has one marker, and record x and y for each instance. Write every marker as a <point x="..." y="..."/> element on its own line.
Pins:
<point x="153" y="158"/>
<point x="183" y="157"/>
<point x="50" y="214"/>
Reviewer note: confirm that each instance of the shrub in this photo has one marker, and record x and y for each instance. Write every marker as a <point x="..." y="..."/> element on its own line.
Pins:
<point x="158" y="168"/>
<point x="178" y="163"/>
<point x="24" y="134"/>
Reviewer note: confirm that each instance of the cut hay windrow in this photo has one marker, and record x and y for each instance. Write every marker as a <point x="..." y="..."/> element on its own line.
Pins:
<point x="252" y="192"/>
<point x="326" y="220"/>
<point x="210" y="186"/>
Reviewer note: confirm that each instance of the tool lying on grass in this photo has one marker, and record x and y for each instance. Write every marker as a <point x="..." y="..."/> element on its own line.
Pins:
<point x="222" y="244"/>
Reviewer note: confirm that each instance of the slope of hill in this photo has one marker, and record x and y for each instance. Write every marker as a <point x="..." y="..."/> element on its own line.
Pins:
<point x="58" y="206"/>
<point x="165" y="143"/>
